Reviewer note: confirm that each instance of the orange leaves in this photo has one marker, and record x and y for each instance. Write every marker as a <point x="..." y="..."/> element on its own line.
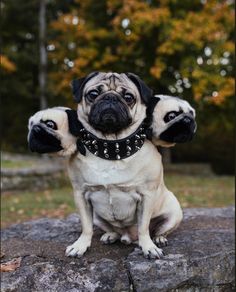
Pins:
<point x="228" y="46"/>
<point x="6" y="64"/>
<point x="153" y="16"/>
<point x="106" y="61"/>
<point x="226" y="89"/>
<point x="157" y="38"/>
<point x="198" y="28"/>
<point x="213" y="88"/>
<point x="158" y="69"/>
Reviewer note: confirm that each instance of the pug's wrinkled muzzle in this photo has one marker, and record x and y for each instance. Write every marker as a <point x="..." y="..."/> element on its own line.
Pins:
<point x="180" y="131"/>
<point x="41" y="141"/>
<point x="109" y="114"/>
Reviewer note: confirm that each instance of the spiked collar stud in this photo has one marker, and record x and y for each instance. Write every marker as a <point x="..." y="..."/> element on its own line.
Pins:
<point x="113" y="149"/>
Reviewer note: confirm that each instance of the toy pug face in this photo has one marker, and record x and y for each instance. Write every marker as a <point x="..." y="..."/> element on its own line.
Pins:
<point x="173" y="121"/>
<point x="49" y="132"/>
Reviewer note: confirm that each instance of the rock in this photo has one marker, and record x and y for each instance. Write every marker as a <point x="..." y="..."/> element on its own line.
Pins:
<point x="28" y="172"/>
<point x="33" y="179"/>
<point x="200" y="257"/>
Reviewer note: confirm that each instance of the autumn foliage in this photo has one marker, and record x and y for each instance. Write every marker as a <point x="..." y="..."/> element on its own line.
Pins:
<point x="182" y="48"/>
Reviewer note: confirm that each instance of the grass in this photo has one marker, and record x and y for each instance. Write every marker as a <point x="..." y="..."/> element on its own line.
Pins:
<point x="202" y="191"/>
<point x="24" y="205"/>
<point x="192" y="191"/>
<point x="16" y="163"/>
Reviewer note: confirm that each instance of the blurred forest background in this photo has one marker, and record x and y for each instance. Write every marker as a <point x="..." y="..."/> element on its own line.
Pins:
<point x="182" y="48"/>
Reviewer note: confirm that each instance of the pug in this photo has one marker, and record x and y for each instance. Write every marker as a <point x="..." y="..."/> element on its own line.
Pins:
<point x="118" y="184"/>
<point x="117" y="174"/>
<point x="173" y="121"/>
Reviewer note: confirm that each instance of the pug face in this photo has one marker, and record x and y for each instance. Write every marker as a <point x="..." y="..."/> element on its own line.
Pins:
<point x="111" y="103"/>
<point x="49" y="132"/>
<point x="173" y="121"/>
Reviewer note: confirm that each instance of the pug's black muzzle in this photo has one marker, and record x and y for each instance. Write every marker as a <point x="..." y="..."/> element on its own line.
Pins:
<point x="109" y="114"/>
<point x="180" y="131"/>
<point x="41" y="141"/>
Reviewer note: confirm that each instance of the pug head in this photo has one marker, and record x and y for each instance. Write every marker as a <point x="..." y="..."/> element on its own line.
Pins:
<point x="49" y="132"/>
<point x="111" y="103"/>
<point x="173" y="121"/>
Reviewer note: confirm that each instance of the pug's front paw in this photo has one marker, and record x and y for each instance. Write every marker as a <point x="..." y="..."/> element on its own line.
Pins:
<point x="79" y="247"/>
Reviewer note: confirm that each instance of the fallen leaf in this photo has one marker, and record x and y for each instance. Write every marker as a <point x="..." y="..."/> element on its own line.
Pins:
<point x="20" y="212"/>
<point x="11" y="265"/>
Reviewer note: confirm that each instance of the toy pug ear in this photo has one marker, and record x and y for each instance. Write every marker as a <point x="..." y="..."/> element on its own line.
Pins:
<point x="74" y="127"/>
<point x="73" y="122"/>
<point x="145" y="92"/>
<point x="78" y="85"/>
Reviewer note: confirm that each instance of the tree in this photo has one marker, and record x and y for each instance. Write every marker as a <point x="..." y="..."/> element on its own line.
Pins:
<point x="19" y="87"/>
<point x="20" y="66"/>
<point x="43" y="54"/>
<point x="182" y="48"/>
<point x="179" y="48"/>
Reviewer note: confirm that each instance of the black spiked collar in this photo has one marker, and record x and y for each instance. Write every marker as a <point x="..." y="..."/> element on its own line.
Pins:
<point x="113" y="149"/>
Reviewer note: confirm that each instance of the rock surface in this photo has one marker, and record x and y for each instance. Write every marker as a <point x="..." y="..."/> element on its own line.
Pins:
<point x="199" y="257"/>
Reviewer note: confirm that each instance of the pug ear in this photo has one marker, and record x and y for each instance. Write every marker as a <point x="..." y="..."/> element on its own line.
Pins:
<point x="145" y="92"/>
<point x="78" y="85"/>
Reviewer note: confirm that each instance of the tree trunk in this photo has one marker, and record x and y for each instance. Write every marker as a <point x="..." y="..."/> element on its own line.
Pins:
<point x="43" y="55"/>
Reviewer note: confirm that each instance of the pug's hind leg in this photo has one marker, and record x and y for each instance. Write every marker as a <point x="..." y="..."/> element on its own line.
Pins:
<point x="155" y="225"/>
<point x="162" y="225"/>
<point x="160" y="241"/>
<point x="110" y="236"/>
<point x="125" y="238"/>
<point x="169" y="219"/>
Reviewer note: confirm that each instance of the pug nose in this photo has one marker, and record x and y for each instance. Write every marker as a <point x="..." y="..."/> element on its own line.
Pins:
<point x="187" y="120"/>
<point x="111" y="98"/>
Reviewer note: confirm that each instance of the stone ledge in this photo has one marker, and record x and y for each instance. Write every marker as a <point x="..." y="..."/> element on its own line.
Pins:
<point x="38" y="173"/>
<point x="200" y="257"/>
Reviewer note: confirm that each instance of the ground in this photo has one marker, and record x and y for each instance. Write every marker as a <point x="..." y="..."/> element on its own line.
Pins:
<point x="199" y="257"/>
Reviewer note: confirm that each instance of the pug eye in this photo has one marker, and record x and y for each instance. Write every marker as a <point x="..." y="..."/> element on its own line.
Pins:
<point x="92" y="94"/>
<point x="170" y="116"/>
<point x="50" y="124"/>
<point x="129" y="98"/>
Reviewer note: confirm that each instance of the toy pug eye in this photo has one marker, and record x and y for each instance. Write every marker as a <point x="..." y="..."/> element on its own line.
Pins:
<point x="50" y="124"/>
<point x="170" y="116"/>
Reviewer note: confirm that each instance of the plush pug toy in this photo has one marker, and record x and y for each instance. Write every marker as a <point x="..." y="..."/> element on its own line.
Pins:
<point x="173" y="121"/>
<point x="49" y="132"/>
<point x="117" y="174"/>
